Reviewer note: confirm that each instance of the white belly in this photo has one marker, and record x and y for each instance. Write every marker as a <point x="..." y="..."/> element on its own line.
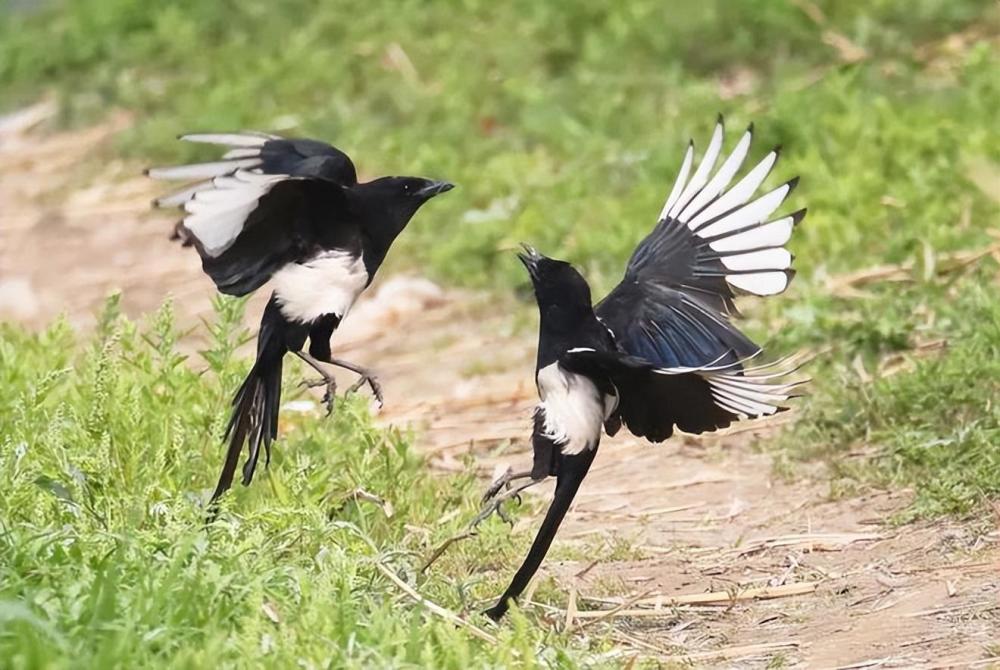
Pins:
<point x="574" y="409"/>
<point x="327" y="284"/>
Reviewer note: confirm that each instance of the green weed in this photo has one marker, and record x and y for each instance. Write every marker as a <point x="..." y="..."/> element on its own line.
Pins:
<point x="109" y="449"/>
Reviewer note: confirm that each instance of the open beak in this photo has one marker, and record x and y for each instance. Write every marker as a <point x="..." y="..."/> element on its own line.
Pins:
<point x="530" y="258"/>
<point x="435" y="188"/>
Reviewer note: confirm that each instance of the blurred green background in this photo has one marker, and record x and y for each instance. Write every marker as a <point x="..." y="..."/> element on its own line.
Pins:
<point x="563" y="123"/>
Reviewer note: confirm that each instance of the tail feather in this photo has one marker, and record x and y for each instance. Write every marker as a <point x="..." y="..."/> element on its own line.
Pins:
<point x="254" y="420"/>
<point x="571" y="471"/>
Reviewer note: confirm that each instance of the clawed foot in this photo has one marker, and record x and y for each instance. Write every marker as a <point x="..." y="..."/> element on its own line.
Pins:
<point x="503" y="481"/>
<point x="368" y="378"/>
<point x="329" y="396"/>
<point x="492" y="503"/>
<point x="493" y="500"/>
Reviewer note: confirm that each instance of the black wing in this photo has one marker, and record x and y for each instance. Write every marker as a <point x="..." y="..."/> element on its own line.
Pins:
<point x="672" y="307"/>
<point x="652" y="400"/>
<point x="250" y="212"/>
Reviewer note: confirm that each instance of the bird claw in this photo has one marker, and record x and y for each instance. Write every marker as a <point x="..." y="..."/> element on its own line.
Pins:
<point x="329" y="395"/>
<point x="504" y="482"/>
<point x="373" y="382"/>
<point x="494" y="506"/>
<point x="313" y="383"/>
<point x="493" y="501"/>
<point x="504" y="516"/>
<point x="494" y="488"/>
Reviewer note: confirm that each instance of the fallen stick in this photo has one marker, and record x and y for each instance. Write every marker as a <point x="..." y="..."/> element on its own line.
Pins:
<point x="984" y="604"/>
<point x="434" y="607"/>
<point x="713" y="597"/>
<point x="816" y="541"/>
<point x="733" y="653"/>
<point x="680" y="484"/>
<point x="436" y="554"/>
<point x="610" y="613"/>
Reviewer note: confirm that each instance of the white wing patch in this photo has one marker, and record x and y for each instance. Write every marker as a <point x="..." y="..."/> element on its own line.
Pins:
<point x="777" y="258"/>
<point x="682" y="176"/>
<point x="218" y="206"/>
<point x="243" y="139"/>
<point x="735" y="230"/>
<point x="216" y="214"/>
<point x="770" y="234"/>
<point x="701" y="174"/>
<point x="755" y="392"/>
<point x="573" y="409"/>
<point x="326" y="284"/>
<point x="201" y="170"/>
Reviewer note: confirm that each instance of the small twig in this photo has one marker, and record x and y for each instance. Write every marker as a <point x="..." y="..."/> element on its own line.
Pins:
<point x="809" y="541"/>
<point x="987" y="566"/>
<point x="529" y="593"/>
<point x="433" y="607"/>
<point x="680" y="484"/>
<point x="363" y="495"/>
<point x="871" y="663"/>
<point x="637" y="642"/>
<point x="733" y="653"/>
<point x="979" y="663"/>
<point x="612" y="612"/>
<point x="437" y="553"/>
<point x="641" y="514"/>
<point x="491" y="506"/>
<point x="583" y="573"/>
<point x="717" y="597"/>
<point x="570" y="609"/>
<point x="985" y="604"/>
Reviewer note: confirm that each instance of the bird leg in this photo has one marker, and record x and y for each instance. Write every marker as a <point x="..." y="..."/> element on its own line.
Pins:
<point x="504" y="480"/>
<point x="366" y="377"/>
<point x="326" y="379"/>
<point x="492" y="502"/>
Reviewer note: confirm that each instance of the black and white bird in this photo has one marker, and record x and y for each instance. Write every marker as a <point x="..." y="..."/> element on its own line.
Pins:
<point x="288" y="211"/>
<point x="659" y="352"/>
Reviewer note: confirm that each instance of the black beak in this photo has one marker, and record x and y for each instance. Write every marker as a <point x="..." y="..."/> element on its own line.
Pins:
<point x="530" y="258"/>
<point x="435" y="188"/>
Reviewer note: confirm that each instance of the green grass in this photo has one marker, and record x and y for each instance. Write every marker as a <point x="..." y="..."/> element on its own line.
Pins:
<point x="109" y="449"/>
<point x="562" y="124"/>
<point x="933" y="418"/>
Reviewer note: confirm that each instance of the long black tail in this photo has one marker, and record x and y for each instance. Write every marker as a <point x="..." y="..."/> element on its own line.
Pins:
<point x="571" y="471"/>
<point x="255" y="406"/>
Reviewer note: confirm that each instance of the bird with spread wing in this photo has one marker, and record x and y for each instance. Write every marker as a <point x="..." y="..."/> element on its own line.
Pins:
<point x="290" y="212"/>
<point x="659" y="352"/>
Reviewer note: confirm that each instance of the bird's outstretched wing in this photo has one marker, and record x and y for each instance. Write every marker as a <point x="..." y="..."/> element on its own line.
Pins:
<point x="250" y="212"/>
<point x="652" y="400"/>
<point x="672" y="307"/>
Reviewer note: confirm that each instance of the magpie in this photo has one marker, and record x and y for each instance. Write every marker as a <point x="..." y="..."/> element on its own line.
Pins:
<point x="292" y="212"/>
<point x="660" y="351"/>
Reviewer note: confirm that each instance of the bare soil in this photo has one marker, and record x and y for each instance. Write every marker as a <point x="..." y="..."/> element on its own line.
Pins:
<point x="680" y="520"/>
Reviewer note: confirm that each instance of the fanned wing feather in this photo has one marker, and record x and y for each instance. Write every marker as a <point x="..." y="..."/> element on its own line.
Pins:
<point x="682" y="176"/>
<point x="701" y="174"/>
<point x="654" y="400"/>
<point x="712" y="240"/>
<point x="237" y="216"/>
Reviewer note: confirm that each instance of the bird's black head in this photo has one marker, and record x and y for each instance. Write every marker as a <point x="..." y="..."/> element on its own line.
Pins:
<point x="388" y="203"/>
<point x="559" y="288"/>
<point x="403" y="196"/>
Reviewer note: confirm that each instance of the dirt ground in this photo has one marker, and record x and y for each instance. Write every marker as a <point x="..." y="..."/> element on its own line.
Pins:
<point x="728" y="565"/>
